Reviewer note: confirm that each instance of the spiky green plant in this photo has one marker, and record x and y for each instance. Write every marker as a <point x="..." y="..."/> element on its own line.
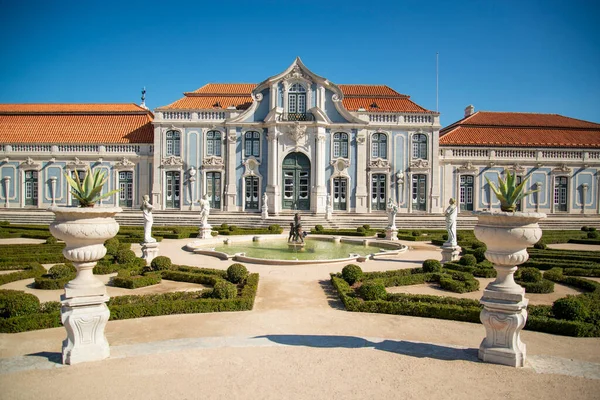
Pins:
<point x="89" y="191"/>
<point x="508" y="192"/>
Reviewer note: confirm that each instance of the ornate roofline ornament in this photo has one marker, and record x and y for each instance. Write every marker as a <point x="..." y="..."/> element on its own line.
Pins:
<point x="297" y="132"/>
<point x="30" y="164"/>
<point x="76" y="163"/>
<point x="517" y="168"/>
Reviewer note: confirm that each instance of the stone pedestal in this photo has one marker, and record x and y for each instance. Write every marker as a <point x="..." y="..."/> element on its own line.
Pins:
<point x="507" y="236"/>
<point x="391" y="233"/>
<point x="84" y="318"/>
<point x="265" y="213"/>
<point x="329" y="213"/>
<point x="503" y="316"/>
<point x="84" y="312"/>
<point x="204" y="231"/>
<point x="149" y="251"/>
<point x="450" y="253"/>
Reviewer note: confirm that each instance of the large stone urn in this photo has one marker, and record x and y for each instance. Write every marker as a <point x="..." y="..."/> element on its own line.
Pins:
<point x="84" y="312"/>
<point x="507" y="236"/>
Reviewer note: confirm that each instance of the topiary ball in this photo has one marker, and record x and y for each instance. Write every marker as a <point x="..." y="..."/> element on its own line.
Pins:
<point x="570" y="308"/>
<point x="373" y="290"/>
<point x="51" y="240"/>
<point x="319" y="228"/>
<point x="479" y="254"/>
<point x="478" y="245"/>
<point x="528" y="274"/>
<point x="416" y="233"/>
<point x="468" y="260"/>
<point x="14" y="303"/>
<point x="584" y="228"/>
<point x="125" y="256"/>
<point x="232" y="228"/>
<point x="60" y="271"/>
<point x="352" y="273"/>
<point x="360" y="229"/>
<point x="540" y="245"/>
<point x="237" y="273"/>
<point x="592" y="235"/>
<point x="367" y="227"/>
<point x="112" y="246"/>
<point x="161" y="263"/>
<point x="224" y="290"/>
<point x="432" y="266"/>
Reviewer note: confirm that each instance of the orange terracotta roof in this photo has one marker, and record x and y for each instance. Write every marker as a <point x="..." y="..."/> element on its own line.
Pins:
<point x="71" y="108"/>
<point x="75" y="123"/>
<point x="223" y="95"/>
<point x="486" y="128"/>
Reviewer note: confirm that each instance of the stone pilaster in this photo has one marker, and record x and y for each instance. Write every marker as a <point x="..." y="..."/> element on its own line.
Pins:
<point x="320" y="192"/>
<point x="273" y="188"/>
<point x="157" y="198"/>
<point x="362" y="195"/>
<point x="231" y="186"/>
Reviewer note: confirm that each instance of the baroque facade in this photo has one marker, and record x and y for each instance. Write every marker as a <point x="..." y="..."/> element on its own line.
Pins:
<point x="303" y="141"/>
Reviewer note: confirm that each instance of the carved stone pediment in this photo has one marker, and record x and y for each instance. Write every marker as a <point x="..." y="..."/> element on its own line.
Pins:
<point x="340" y="164"/>
<point x="517" y="168"/>
<point x="212" y="162"/>
<point x="124" y="163"/>
<point x="30" y="164"/>
<point x="251" y="164"/>
<point x="76" y="163"/>
<point x="379" y="163"/>
<point x="172" y="161"/>
<point x="296" y="132"/>
<point x="467" y="167"/>
<point x="419" y="164"/>
<point x="562" y="169"/>
<point x="296" y="73"/>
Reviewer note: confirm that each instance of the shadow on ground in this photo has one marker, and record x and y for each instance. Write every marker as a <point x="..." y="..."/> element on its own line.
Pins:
<point x="55" y="358"/>
<point x="413" y="349"/>
<point x="332" y="296"/>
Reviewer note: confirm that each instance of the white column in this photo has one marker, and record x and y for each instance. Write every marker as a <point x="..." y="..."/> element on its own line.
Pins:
<point x="436" y="206"/>
<point x="538" y="186"/>
<point x="230" y="189"/>
<point x="362" y="195"/>
<point x="157" y="176"/>
<point x="192" y="187"/>
<point x="273" y="190"/>
<point x="585" y="190"/>
<point x="53" y="189"/>
<point x="320" y="192"/>
<point x="6" y="191"/>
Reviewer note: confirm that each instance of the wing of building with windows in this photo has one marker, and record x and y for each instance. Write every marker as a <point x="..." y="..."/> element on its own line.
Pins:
<point x="297" y="137"/>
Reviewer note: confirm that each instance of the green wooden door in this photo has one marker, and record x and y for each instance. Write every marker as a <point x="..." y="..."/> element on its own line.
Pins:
<point x="340" y="193"/>
<point x="378" y="192"/>
<point x="466" y="192"/>
<point x="126" y="186"/>
<point x="213" y="189"/>
<point x="173" y="190"/>
<point x="419" y="192"/>
<point x="31" y="188"/>
<point x="251" y="202"/>
<point x="296" y="182"/>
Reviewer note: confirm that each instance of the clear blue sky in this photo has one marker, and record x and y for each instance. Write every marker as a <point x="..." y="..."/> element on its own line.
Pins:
<point x="535" y="56"/>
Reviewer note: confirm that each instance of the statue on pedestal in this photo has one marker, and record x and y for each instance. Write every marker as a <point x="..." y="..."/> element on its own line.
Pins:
<point x="148" y="219"/>
<point x="328" y="208"/>
<point x="392" y="210"/>
<point x="296" y="233"/>
<point x="204" y="210"/>
<point x="451" y="214"/>
<point x="265" y="206"/>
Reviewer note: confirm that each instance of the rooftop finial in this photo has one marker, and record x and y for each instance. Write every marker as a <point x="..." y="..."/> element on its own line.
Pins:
<point x="144" y="98"/>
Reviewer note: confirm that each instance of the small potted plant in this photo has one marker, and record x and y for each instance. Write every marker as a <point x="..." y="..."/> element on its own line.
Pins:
<point x="84" y="229"/>
<point x="507" y="234"/>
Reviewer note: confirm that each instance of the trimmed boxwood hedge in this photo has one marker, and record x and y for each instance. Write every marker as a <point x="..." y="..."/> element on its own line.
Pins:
<point x="25" y="271"/>
<point x="125" y="280"/>
<point x="56" y="278"/>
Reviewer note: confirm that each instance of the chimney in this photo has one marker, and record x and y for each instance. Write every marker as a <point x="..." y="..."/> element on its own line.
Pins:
<point x="469" y="110"/>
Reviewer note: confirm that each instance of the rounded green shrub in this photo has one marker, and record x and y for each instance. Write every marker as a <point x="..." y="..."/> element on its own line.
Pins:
<point x="540" y="245"/>
<point x="459" y="282"/>
<point x="584" y="228"/>
<point x="319" y="228"/>
<point x="352" y="273"/>
<point x="570" y="308"/>
<point x="237" y="273"/>
<point x="232" y="228"/>
<point x="274" y="228"/>
<point x="528" y="274"/>
<point x="416" y="233"/>
<point x="432" y="266"/>
<point x="51" y="240"/>
<point x="360" y="229"/>
<point x="373" y="290"/>
<point x="14" y="303"/>
<point x="479" y="254"/>
<point x="593" y="235"/>
<point x="381" y="235"/>
<point x="125" y="256"/>
<point x="61" y="271"/>
<point x="478" y="245"/>
<point x="112" y="246"/>
<point x="459" y="237"/>
<point x="367" y="227"/>
<point x="224" y="226"/>
<point x="468" y="260"/>
<point x="161" y="263"/>
<point x="224" y="290"/>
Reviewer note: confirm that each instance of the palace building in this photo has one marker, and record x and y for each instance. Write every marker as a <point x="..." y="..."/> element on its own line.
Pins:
<point x="301" y="139"/>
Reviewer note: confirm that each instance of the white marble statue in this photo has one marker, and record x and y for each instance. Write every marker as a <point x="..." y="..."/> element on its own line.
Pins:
<point x="148" y="219"/>
<point x="265" y="199"/>
<point x="451" y="214"/>
<point x="204" y="210"/>
<point x="392" y="210"/>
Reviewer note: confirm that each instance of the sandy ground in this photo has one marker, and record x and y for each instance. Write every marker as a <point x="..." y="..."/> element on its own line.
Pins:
<point x="297" y="343"/>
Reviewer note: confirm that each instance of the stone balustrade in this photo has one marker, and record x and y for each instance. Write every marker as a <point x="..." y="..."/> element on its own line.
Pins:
<point x="7" y="149"/>
<point x="521" y="155"/>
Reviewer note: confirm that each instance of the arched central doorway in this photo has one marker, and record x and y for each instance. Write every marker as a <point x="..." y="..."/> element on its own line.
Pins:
<point x="296" y="182"/>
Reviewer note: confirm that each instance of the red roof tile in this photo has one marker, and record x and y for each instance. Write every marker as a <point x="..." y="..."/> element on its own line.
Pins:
<point x="75" y="123"/>
<point x="223" y="95"/>
<point x="521" y="130"/>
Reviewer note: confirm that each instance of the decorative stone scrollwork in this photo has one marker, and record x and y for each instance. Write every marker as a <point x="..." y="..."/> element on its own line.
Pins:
<point x="361" y="140"/>
<point x="251" y="165"/>
<point x="518" y="168"/>
<point x="467" y="167"/>
<point x="76" y="163"/>
<point x="419" y="164"/>
<point x="321" y="138"/>
<point x="272" y="135"/>
<point x="340" y="164"/>
<point x="212" y="161"/>
<point x="30" y="164"/>
<point x="562" y="169"/>
<point x="336" y="98"/>
<point x="231" y="138"/>
<point x="379" y="163"/>
<point x="296" y="73"/>
<point x="172" y="161"/>
<point x="258" y="96"/>
<point x="124" y="163"/>
<point x="297" y="132"/>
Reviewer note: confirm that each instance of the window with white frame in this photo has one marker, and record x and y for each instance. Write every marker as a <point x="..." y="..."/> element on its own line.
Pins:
<point x="213" y="143"/>
<point x="173" y="143"/>
<point x="252" y="144"/>
<point x="340" y="145"/>
<point x="297" y="99"/>
<point x="419" y="146"/>
<point x="379" y="145"/>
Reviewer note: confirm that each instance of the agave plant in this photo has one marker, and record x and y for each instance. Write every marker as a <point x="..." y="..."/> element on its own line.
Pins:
<point x="89" y="191"/>
<point x="508" y="192"/>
